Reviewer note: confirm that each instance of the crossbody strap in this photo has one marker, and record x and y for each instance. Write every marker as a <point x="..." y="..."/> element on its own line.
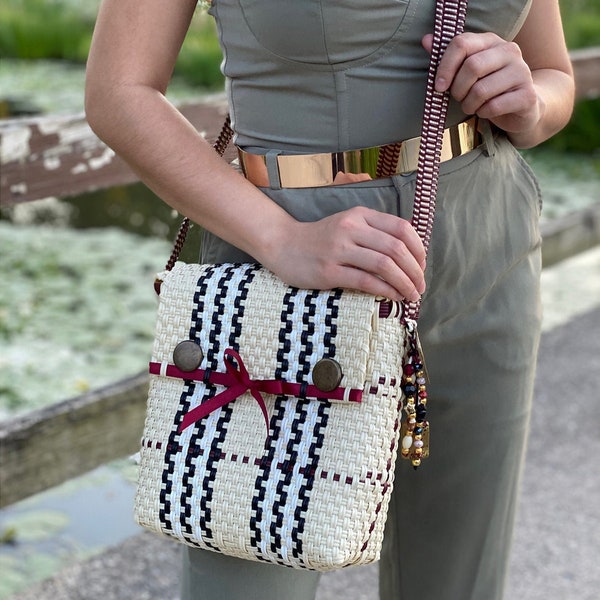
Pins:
<point x="449" y="21"/>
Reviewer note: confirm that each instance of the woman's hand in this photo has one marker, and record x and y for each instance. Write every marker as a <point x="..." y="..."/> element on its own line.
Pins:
<point x="490" y="78"/>
<point x="525" y="87"/>
<point x="359" y="248"/>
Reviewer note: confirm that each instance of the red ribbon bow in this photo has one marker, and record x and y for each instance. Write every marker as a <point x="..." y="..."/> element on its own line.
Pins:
<point x="237" y="380"/>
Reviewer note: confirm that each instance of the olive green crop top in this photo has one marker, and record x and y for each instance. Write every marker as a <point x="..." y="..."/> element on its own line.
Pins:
<point x="331" y="75"/>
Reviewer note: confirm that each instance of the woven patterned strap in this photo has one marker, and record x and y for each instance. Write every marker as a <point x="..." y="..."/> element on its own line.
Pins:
<point x="449" y="21"/>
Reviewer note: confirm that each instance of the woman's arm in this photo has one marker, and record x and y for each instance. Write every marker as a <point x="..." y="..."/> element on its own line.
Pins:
<point x="524" y="87"/>
<point x="133" y="52"/>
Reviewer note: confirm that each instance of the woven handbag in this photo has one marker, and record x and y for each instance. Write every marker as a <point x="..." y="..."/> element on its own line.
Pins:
<point x="275" y="414"/>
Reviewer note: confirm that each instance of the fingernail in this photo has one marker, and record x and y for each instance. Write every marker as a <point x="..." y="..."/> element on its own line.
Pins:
<point x="440" y="84"/>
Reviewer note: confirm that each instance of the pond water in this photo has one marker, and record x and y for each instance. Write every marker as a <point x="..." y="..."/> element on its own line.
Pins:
<point x="51" y="86"/>
<point x="77" y="310"/>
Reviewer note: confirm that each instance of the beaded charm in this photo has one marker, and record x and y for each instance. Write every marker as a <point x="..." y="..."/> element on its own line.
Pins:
<point x="414" y="433"/>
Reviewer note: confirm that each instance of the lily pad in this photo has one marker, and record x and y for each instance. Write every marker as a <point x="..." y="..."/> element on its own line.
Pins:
<point x="37" y="526"/>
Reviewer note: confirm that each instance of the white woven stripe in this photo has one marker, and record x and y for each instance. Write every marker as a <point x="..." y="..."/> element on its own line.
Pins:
<point x="217" y="422"/>
<point x="320" y="332"/>
<point x="282" y="488"/>
<point x="226" y="320"/>
<point x="183" y="463"/>
<point x="290" y="520"/>
<point x="177" y="507"/>
<point x="295" y="342"/>
<point x="292" y="490"/>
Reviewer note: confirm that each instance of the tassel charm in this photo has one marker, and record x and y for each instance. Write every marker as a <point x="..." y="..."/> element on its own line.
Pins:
<point x="414" y="433"/>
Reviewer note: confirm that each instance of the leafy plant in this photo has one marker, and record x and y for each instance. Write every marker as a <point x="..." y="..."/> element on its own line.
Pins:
<point x="34" y="29"/>
<point x="62" y="29"/>
<point x="581" y="22"/>
<point x="200" y="58"/>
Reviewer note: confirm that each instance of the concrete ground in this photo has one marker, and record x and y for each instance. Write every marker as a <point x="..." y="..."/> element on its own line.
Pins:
<point x="557" y="541"/>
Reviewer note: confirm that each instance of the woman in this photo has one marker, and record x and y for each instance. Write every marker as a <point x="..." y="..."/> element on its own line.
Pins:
<point x="311" y="76"/>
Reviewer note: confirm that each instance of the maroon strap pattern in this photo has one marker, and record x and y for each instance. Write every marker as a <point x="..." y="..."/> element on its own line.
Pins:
<point x="449" y="21"/>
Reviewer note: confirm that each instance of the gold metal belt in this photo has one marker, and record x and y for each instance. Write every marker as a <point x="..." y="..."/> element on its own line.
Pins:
<point x="317" y="170"/>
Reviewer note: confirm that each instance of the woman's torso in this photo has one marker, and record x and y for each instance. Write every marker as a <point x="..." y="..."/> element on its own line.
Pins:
<point x="326" y="75"/>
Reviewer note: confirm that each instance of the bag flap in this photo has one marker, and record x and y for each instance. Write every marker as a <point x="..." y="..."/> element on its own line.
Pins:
<point x="279" y="333"/>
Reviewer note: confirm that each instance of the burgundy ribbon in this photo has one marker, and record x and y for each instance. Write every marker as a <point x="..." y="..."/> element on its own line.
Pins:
<point x="237" y="380"/>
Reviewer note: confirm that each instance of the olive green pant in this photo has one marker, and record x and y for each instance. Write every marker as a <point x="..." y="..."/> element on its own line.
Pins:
<point x="450" y="523"/>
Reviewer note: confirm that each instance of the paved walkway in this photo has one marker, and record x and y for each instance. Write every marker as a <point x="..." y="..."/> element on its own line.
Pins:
<point x="557" y="546"/>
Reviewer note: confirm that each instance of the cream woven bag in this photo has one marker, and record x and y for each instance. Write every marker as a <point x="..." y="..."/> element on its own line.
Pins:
<point x="274" y="413"/>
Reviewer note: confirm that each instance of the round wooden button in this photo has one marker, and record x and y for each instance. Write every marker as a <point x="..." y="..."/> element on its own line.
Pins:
<point x="187" y="355"/>
<point x="327" y="374"/>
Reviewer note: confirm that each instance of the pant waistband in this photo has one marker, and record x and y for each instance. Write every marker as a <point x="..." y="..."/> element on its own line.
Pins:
<point x="277" y="170"/>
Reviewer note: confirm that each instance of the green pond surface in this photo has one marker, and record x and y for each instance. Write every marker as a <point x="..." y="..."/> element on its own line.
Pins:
<point x="77" y="312"/>
<point x="52" y="86"/>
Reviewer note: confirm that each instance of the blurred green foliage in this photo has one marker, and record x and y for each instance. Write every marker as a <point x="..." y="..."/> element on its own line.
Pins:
<point x="32" y="29"/>
<point x="62" y="29"/>
<point x="581" y="22"/>
<point x="199" y="61"/>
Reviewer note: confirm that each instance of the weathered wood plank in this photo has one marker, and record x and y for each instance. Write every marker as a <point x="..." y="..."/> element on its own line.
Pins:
<point x="61" y="156"/>
<point x="570" y="235"/>
<point x="44" y="448"/>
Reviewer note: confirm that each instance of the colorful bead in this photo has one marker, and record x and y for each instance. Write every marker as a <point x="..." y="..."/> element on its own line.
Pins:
<point x="413" y="382"/>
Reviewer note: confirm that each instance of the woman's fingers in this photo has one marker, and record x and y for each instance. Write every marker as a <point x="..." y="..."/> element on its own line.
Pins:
<point x="358" y="248"/>
<point x="402" y="274"/>
<point x="461" y="49"/>
<point x="365" y="281"/>
<point x="400" y="230"/>
<point x="490" y="78"/>
<point x="344" y="178"/>
<point x="384" y="246"/>
<point x="396" y="245"/>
